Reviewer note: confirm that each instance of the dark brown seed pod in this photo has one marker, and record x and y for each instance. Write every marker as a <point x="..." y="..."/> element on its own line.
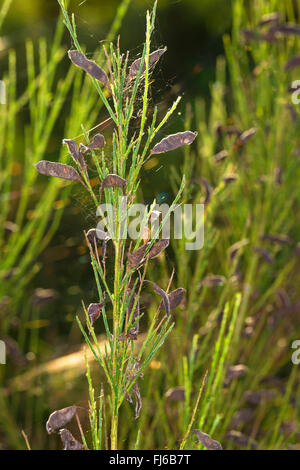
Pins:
<point x="242" y="416"/>
<point x="75" y="152"/>
<point x="97" y="234"/>
<point x="207" y="441"/>
<point x="175" y="298"/>
<point x="163" y="294"/>
<point x="90" y="67"/>
<point x="138" y="256"/>
<point x="269" y="37"/>
<point x="256" y="397"/>
<point x="94" y="311"/>
<point x="292" y="63"/>
<point x="44" y="296"/>
<point x="250" y="35"/>
<point x="241" y="439"/>
<point x="229" y="178"/>
<point x="174" y="141"/>
<point x="286" y="29"/>
<point x="213" y="280"/>
<point x="134" y="331"/>
<point x="175" y="394"/>
<point x="245" y="136"/>
<point x="233" y="250"/>
<point x="270" y="18"/>
<point x="264" y="254"/>
<point x="72" y="148"/>
<point x="153" y="58"/>
<point x="278" y="238"/>
<point x="113" y="181"/>
<point x="59" y="418"/>
<point x="138" y="398"/>
<point x="135" y="388"/>
<point x="234" y="372"/>
<point x="208" y="189"/>
<point x="97" y="143"/>
<point x="69" y="441"/>
<point x="160" y="246"/>
<point x="231" y="130"/>
<point x="278" y="175"/>
<point x="220" y="156"/>
<point x="59" y="170"/>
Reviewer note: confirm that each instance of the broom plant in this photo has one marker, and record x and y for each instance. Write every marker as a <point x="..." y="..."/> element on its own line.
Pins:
<point x="118" y="168"/>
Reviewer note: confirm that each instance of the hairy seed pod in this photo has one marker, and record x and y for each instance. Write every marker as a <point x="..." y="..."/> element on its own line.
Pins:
<point x="158" y="247"/>
<point x="270" y="18"/>
<point x="207" y="441"/>
<point x="69" y="441"/>
<point x="174" y="141"/>
<point x="94" y="311"/>
<point x="138" y="256"/>
<point x="113" y="181"/>
<point x="75" y="152"/>
<point x="59" y="170"/>
<point x="286" y="29"/>
<point x="90" y="67"/>
<point x="175" y="298"/>
<point x="59" y="418"/>
<point x="163" y="294"/>
<point x="153" y="58"/>
<point x="97" y="143"/>
<point x="175" y="394"/>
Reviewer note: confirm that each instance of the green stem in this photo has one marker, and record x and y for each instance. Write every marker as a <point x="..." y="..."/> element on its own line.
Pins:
<point x="116" y="306"/>
<point x="114" y="427"/>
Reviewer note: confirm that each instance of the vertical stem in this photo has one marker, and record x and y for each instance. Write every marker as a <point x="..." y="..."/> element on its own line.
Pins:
<point x="115" y="397"/>
<point x="114" y="425"/>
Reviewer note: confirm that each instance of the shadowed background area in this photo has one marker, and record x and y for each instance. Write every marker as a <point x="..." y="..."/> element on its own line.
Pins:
<point x="192" y="30"/>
